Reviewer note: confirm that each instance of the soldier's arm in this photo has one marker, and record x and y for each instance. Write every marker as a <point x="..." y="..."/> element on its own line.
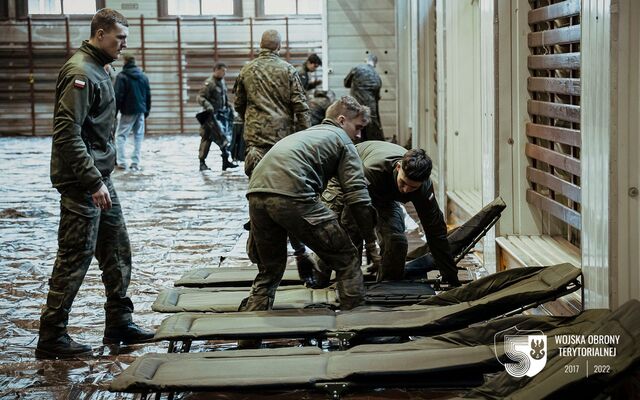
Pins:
<point x="435" y="229"/>
<point x="203" y="95"/>
<point x="299" y="103"/>
<point x="240" y="102"/>
<point x="75" y="100"/>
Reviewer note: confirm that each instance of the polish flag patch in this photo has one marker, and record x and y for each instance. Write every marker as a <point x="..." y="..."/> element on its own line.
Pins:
<point x="79" y="84"/>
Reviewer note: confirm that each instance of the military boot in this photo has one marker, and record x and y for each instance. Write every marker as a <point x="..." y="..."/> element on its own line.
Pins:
<point x="61" y="347"/>
<point x="126" y="334"/>
<point x="227" y="164"/>
<point x="203" y="165"/>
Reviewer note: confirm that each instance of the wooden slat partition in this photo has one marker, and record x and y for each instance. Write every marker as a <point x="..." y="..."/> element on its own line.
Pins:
<point x="554" y="61"/>
<point x="558" y="160"/>
<point x="565" y="112"/>
<point x="567" y="136"/>
<point x="556" y="209"/>
<point x="567" y="8"/>
<point x="569" y="34"/>
<point x="567" y="86"/>
<point x="555" y="183"/>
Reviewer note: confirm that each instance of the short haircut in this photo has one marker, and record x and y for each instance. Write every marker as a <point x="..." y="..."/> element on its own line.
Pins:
<point x="372" y="58"/>
<point x="219" y="65"/>
<point x="314" y="59"/>
<point x="129" y="58"/>
<point x="350" y="108"/>
<point x="417" y="165"/>
<point x="270" y="40"/>
<point x="106" y="19"/>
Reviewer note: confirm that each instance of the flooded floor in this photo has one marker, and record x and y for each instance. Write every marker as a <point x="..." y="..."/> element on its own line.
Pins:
<point x="178" y="219"/>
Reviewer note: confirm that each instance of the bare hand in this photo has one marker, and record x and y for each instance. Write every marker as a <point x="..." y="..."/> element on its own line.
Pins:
<point x="101" y="198"/>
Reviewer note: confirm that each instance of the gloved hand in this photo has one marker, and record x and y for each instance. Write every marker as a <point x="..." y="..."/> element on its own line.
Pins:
<point x="372" y="253"/>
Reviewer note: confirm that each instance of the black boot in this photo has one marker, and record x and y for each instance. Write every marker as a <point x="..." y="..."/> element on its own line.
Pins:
<point x="61" y="347"/>
<point x="227" y="164"/>
<point x="126" y="334"/>
<point x="203" y="166"/>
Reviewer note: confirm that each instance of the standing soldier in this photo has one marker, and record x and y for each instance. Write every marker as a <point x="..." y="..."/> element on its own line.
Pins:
<point x="133" y="100"/>
<point x="91" y="221"/>
<point x="213" y="99"/>
<point x="310" y="65"/>
<point x="272" y="102"/>
<point x="365" y="84"/>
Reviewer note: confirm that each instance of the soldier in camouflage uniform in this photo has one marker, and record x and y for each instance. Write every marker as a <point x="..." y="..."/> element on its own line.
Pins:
<point x="213" y="97"/>
<point x="365" y="84"/>
<point x="394" y="176"/>
<point x="91" y="222"/>
<point x="318" y="105"/>
<point x="312" y="63"/>
<point x="284" y="197"/>
<point x="271" y="100"/>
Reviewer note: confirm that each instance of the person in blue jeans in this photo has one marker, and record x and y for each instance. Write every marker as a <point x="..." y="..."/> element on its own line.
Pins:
<point x="133" y="101"/>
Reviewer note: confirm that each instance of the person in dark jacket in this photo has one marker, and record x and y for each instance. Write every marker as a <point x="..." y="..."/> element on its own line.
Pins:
<point x="365" y="84"/>
<point x="91" y="220"/>
<point x="133" y="100"/>
<point x="311" y="64"/>
<point x="318" y="105"/>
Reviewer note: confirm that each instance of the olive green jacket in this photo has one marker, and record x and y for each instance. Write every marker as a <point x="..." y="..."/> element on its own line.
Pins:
<point x="300" y="165"/>
<point x="270" y="99"/>
<point x="82" y="151"/>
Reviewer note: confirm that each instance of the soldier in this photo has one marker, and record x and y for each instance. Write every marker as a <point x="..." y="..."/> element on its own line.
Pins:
<point x="395" y="176"/>
<point x="91" y="221"/>
<point x="365" y="84"/>
<point x="318" y="105"/>
<point x="310" y="65"/>
<point x="283" y="197"/>
<point x="272" y="102"/>
<point x="213" y="98"/>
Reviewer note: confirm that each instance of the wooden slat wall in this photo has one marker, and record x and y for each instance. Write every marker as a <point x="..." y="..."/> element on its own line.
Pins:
<point x="176" y="68"/>
<point x="554" y="108"/>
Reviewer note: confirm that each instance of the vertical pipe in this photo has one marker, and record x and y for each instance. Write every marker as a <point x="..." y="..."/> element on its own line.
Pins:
<point x="68" y="34"/>
<point x="286" y="24"/>
<point x="250" y="37"/>
<point x="31" y="80"/>
<point x="180" y="88"/>
<point x="142" y="44"/>
<point x="215" y="39"/>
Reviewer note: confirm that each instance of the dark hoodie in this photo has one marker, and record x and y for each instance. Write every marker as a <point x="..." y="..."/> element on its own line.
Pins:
<point x="133" y="95"/>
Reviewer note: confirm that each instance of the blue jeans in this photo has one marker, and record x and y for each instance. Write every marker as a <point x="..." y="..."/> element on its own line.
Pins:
<point x="129" y="123"/>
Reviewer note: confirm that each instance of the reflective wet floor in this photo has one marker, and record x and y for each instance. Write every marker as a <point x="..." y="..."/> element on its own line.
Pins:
<point x="178" y="218"/>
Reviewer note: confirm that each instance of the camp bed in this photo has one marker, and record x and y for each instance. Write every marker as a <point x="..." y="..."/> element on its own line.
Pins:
<point x="454" y="360"/>
<point x="287" y="297"/>
<point x="503" y="293"/>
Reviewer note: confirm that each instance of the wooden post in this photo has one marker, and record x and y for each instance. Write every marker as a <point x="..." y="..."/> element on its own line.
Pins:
<point x="31" y="79"/>
<point x="215" y="39"/>
<point x="180" y="88"/>
<point x="250" y="37"/>
<point x="286" y="24"/>
<point x="142" y="44"/>
<point x="68" y="34"/>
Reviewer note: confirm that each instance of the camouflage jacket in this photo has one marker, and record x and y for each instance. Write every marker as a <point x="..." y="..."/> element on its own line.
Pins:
<point x="300" y="165"/>
<point x="379" y="160"/>
<point x="270" y="99"/>
<point x="303" y="72"/>
<point x="82" y="150"/>
<point x="213" y="94"/>
<point x="364" y="82"/>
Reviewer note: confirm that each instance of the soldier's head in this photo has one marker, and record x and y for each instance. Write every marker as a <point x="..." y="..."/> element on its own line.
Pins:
<point x="313" y="62"/>
<point x="109" y="31"/>
<point x="349" y="115"/>
<point x="372" y="60"/>
<point x="271" y="40"/>
<point x="219" y="70"/>
<point x="413" y="170"/>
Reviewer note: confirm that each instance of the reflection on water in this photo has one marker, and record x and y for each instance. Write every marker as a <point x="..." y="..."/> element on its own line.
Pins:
<point x="178" y="218"/>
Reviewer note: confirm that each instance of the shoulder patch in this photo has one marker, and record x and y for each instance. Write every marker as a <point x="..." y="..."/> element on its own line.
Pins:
<point x="80" y="84"/>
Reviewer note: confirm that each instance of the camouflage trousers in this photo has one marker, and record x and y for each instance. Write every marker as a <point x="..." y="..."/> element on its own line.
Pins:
<point x="86" y="231"/>
<point x="252" y="157"/>
<point x="207" y="137"/>
<point x="389" y="228"/>
<point x="272" y="216"/>
<point x="373" y="130"/>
